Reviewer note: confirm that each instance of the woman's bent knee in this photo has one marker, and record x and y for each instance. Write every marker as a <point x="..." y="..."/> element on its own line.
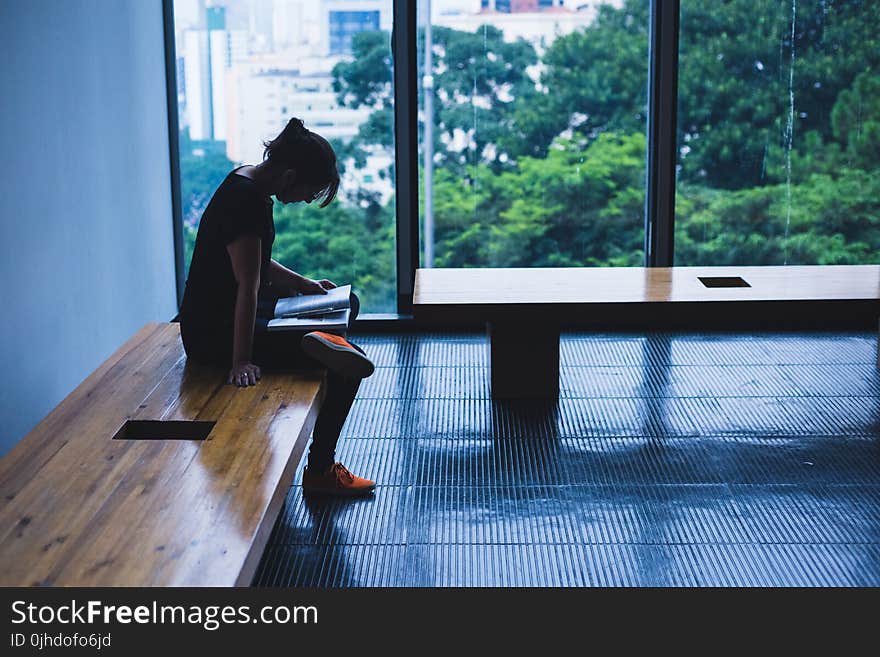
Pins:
<point x="355" y="306"/>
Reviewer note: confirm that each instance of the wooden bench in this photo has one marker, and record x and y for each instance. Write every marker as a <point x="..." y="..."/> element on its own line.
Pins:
<point x="89" y="499"/>
<point x="525" y="309"/>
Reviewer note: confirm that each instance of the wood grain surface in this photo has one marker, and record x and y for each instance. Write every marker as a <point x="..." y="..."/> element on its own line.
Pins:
<point x="603" y="285"/>
<point x="82" y="509"/>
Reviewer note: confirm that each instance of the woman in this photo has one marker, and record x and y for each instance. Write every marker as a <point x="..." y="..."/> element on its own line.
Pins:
<point x="232" y="275"/>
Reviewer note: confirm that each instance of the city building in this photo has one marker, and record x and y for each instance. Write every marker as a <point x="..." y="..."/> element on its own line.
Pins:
<point x="342" y="19"/>
<point x="207" y="54"/>
<point x="537" y="21"/>
<point x="262" y="91"/>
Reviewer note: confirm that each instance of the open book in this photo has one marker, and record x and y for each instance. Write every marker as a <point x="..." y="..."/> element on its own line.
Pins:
<point x="313" y="312"/>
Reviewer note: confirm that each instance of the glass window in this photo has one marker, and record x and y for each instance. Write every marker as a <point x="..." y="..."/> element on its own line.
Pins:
<point x="533" y="119"/>
<point x="242" y="60"/>
<point x="778" y="133"/>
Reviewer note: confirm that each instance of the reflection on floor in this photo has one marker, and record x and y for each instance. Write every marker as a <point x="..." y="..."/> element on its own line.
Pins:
<point x="669" y="460"/>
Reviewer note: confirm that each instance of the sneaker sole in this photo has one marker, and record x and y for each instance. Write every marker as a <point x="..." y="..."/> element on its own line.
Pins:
<point x="339" y="492"/>
<point x="348" y="362"/>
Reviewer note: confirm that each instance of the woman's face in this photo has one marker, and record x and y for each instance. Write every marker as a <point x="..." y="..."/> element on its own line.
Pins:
<point x="294" y="190"/>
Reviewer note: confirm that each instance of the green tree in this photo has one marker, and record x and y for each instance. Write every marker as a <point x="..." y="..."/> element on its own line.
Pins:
<point x="478" y="79"/>
<point x="581" y="205"/>
<point x="856" y="121"/>
<point x="737" y="77"/>
<point x="734" y="66"/>
<point x="594" y="80"/>
<point x="833" y="220"/>
<point x="342" y="242"/>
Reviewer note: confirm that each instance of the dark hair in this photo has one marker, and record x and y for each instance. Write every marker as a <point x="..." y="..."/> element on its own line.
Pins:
<point x="310" y="154"/>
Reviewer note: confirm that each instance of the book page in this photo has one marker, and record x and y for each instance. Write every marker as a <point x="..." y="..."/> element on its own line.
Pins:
<point x="310" y="304"/>
<point x="334" y="321"/>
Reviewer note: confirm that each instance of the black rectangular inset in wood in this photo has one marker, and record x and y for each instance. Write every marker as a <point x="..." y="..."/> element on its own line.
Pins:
<point x="723" y="281"/>
<point x="164" y="430"/>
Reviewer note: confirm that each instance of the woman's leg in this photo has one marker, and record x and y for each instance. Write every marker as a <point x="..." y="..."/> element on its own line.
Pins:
<point x="283" y="350"/>
<point x="341" y="392"/>
<point x="340" y="395"/>
<point x="354" y="304"/>
<point x="324" y="474"/>
<point x="278" y="351"/>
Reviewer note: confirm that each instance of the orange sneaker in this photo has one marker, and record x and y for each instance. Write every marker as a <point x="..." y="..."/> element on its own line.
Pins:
<point x="337" y="354"/>
<point x="337" y="480"/>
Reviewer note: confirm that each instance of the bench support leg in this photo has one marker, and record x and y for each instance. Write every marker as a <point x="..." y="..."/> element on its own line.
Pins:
<point x="524" y="361"/>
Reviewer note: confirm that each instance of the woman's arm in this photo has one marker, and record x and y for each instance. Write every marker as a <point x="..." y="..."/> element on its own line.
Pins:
<point x="286" y="282"/>
<point x="244" y="253"/>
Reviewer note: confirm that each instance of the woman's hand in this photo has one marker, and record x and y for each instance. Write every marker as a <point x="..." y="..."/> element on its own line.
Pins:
<point x="309" y="286"/>
<point x="244" y="374"/>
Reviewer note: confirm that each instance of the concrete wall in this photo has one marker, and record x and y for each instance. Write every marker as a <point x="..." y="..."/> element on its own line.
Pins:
<point x="85" y="198"/>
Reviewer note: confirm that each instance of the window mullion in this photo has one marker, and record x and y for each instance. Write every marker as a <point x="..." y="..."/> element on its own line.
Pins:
<point x="662" y="109"/>
<point x="403" y="49"/>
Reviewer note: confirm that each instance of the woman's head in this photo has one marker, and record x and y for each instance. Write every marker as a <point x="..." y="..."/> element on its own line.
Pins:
<point x="308" y="163"/>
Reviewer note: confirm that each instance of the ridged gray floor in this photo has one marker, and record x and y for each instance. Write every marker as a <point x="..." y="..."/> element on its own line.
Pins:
<point x="669" y="460"/>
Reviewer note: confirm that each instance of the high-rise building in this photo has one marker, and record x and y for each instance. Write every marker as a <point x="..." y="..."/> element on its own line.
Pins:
<point x="539" y="22"/>
<point x="519" y="6"/>
<point x="180" y="70"/>
<point x="288" y="24"/>
<point x="208" y="53"/>
<point x="496" y="5"/>
<point x="189" y="14"/>
<point x="263" y="95"/>
<point x="260" y="25"/>
<point x="345" y="24"/>
<point x="197" y="88"/>
<point x="262" y="101"/>
<point x="342" y="19"/>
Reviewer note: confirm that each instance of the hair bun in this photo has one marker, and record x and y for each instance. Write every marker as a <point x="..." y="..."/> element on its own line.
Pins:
<point x="295" y="129"/>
